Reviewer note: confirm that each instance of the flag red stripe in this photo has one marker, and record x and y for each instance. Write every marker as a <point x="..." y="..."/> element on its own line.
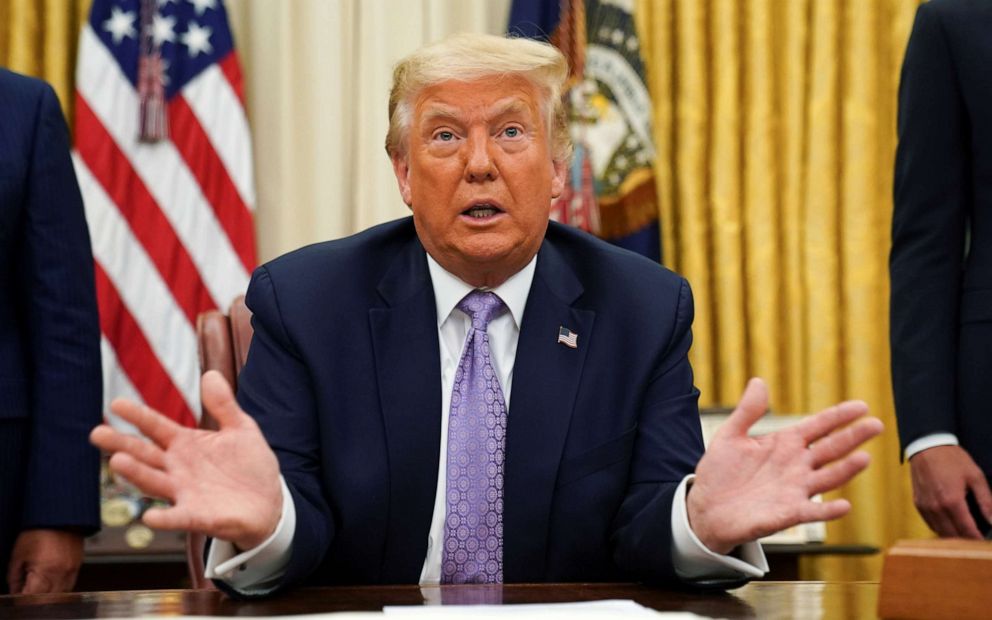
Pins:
<point x="150" y="227"/>
<point x="135" y="355"/>
<point x="206" y="166"/>
<point x="231" y="69"/>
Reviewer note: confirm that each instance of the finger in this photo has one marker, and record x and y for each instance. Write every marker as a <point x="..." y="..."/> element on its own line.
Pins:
<point x="830" y="419"/>
<point x="169" y="518"/>
<point x="218" y="398"/>
<point x="824" y="511"/>
<point x="15" y="576"/>
<point x="110" y="440"/>
<point x="980" y="488"/>
<point x="153" y="482"/>
<point x="151" y="423"/>
<point x="939" y="515"/>
<point x="839" y="473"/>
<point x="36" y="582"/>
<point x="839" y="443"/>
<point x="962" y="520"/>
<point x="753" y="405"/>
<point x="66" y="581"/>
<point x="940" y="523"/>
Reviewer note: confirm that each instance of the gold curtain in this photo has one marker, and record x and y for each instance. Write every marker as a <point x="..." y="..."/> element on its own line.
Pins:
<point x="775" y="131"/>
<point x="39" y="37"/>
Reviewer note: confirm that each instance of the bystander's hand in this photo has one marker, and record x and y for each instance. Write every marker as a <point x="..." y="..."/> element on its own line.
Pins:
<point x="942" y="477"/>
<point x="44" y="561"/>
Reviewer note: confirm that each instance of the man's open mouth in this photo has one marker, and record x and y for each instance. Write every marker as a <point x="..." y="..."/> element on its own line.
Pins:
<point x="482" y="210"/>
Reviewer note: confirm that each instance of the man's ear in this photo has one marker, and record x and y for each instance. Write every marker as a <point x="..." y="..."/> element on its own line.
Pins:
<point x="559" y="177"/>
<point x="401" y="168"/>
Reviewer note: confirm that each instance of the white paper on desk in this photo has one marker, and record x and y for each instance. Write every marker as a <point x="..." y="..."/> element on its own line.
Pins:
<point x="590" y="610"/>
<point x="331" y="615"/>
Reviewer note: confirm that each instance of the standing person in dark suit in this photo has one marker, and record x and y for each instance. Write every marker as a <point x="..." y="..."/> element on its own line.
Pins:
<point x="50" y="384"/>
<point x="941" y="265"/>
<point x="475" y="394"/>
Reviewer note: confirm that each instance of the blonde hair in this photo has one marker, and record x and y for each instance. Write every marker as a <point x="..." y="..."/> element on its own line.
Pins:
<point x="467" y="57"/>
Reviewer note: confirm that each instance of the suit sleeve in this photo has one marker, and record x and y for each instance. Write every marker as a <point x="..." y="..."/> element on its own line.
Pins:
<point x="63" y="335"/>
<point x="932" y="182"/>
<point x="669" y="444"/>
<point x="275" y="388"/>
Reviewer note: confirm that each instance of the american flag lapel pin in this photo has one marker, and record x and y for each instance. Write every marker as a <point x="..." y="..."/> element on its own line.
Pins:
<point x="567" y="337"/>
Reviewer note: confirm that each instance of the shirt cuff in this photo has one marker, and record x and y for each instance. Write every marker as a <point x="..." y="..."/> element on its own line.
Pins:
<point x="929" y="441"/>
<point x="256" y="571"/>
<point x="693" y="561"/>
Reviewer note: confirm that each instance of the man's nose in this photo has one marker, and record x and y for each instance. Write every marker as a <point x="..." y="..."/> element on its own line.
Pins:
<point x="480" y="165"/>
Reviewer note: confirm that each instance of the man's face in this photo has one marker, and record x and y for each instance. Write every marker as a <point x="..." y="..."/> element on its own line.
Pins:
<point x="479" y="176"/>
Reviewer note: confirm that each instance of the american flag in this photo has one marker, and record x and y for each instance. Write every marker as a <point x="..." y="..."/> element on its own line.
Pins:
<point x="163" y="157"/>
<point x="567" y="337"/>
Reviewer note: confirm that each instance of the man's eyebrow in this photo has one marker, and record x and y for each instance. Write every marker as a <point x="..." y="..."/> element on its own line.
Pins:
<point x="507" y="107"/>
<point x="439" y="111"/>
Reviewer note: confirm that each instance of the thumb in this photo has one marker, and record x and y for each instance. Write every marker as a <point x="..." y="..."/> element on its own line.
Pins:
<point x="37" y="583"/>
<point x="15" y="576"/>
<point x="217" y="397"/>
<point x="752" y="405"/>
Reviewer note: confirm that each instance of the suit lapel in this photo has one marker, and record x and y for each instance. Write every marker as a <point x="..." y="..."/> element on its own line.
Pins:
<point x="545" y="382"/>
<point x="405" y="341"/>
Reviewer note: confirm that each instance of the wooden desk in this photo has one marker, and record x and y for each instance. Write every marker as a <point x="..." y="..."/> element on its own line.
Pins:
<point x="142" y="571"/>
<point x="757" y="600"/>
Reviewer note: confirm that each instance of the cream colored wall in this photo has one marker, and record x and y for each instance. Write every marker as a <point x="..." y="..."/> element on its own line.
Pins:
<point x="317" y="78"/>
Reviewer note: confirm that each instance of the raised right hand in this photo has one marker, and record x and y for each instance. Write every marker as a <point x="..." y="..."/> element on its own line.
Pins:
<point x="942" y="477"/>
<point x="222" y="483"/>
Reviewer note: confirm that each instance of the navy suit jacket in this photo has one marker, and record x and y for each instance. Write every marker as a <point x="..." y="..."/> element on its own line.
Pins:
<point x="50" y="383"/>
<point x="343" y="376"/>
<point x="941" y="284"/>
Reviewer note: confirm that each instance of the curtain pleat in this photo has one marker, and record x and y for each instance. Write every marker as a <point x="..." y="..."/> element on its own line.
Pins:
<point x="725" y="200"/>
<point x="792" y="74"/>
<point x="691" y="178"/>
<point x="762" y="280"/>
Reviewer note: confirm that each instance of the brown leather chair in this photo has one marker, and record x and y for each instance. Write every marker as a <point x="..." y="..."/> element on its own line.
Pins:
<point x="223" y="341"/>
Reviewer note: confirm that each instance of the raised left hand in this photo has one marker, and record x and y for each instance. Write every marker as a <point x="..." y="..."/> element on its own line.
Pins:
<point x="44" y="561"/>
<point x="748" y="487"/>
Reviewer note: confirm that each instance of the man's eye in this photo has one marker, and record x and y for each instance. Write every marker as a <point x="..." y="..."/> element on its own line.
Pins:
<point x="445" y="136"/>
<point x="511" y="132"/>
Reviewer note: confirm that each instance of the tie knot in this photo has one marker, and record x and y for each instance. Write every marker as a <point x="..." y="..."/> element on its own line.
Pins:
<point x="482" y="306"/>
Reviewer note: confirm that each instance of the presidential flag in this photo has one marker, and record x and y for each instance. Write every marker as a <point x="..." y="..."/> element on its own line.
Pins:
<point x="612" y="190"/>
<point x="163" y="157"/>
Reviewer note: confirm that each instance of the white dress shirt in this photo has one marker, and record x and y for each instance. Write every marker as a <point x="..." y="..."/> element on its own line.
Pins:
<point x="257" y="570"/>
<point x="929" y="441"/>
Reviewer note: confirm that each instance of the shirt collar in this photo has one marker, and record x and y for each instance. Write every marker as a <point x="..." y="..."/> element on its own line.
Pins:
<point x="449" y="290"/>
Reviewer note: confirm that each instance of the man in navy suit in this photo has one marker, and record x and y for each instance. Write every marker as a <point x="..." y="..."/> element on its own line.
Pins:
<point x="50" y="386"/>
<point x="941" y="265"/>
<point x="567" y="355"/>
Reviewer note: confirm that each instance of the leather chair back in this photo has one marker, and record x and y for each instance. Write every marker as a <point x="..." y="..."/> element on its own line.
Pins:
<point x="223" y="341"/>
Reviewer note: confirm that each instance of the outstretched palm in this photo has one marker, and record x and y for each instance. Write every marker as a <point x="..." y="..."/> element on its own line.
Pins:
<point x="748" y="487"/>
<point x="223" y="483"/>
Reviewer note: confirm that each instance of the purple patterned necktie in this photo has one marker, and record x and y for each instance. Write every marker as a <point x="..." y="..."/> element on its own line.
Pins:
<point x="473" y="525"/>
